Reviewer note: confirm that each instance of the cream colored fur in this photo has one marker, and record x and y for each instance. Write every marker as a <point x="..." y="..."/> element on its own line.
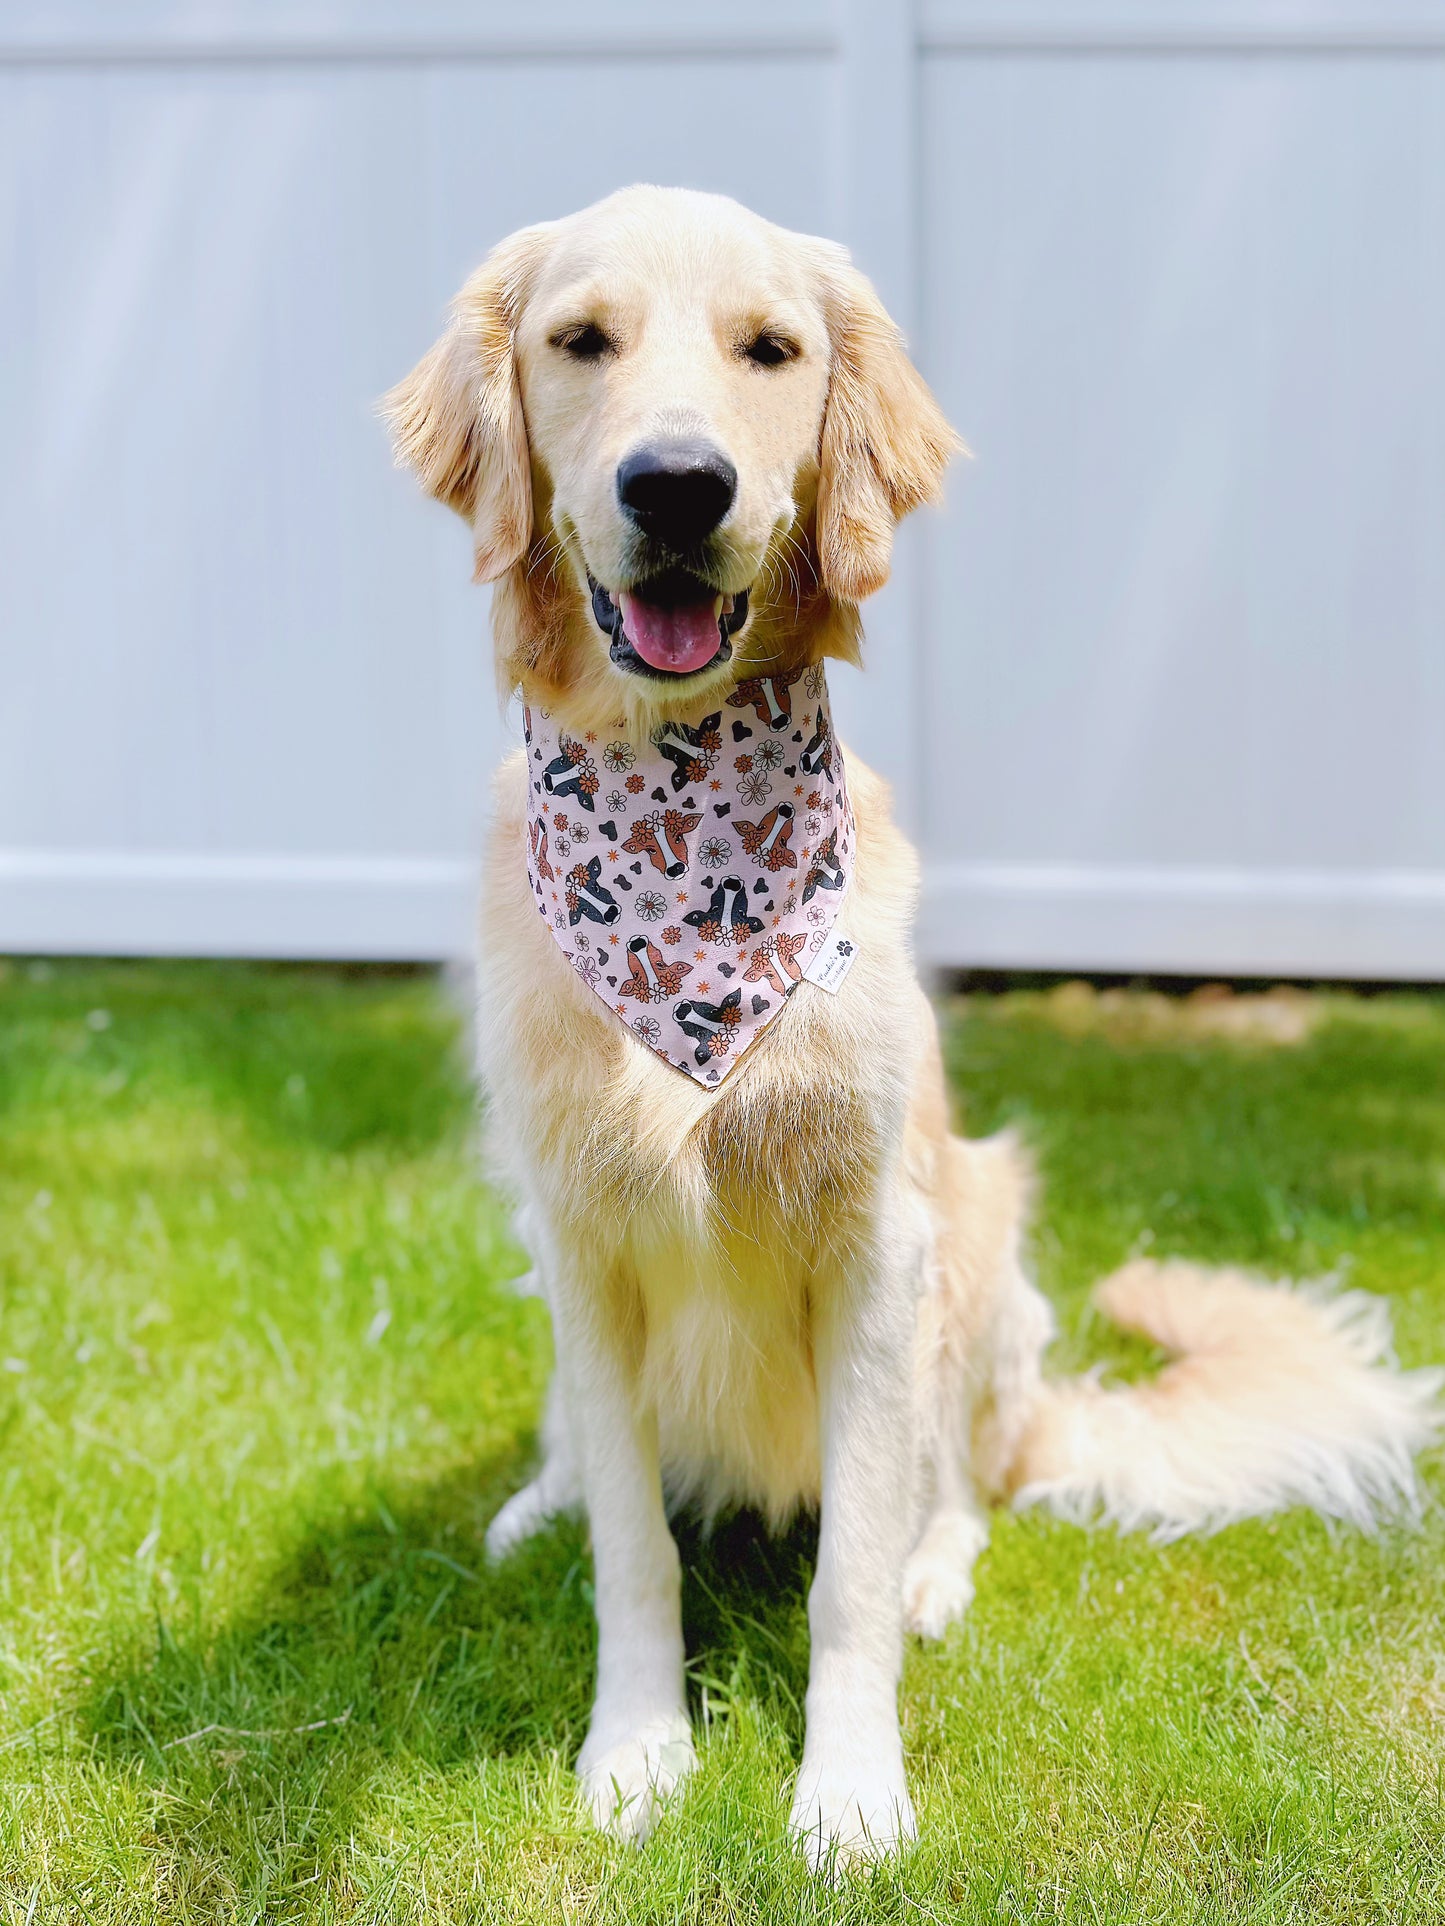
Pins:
<point x="801" y="1289"/>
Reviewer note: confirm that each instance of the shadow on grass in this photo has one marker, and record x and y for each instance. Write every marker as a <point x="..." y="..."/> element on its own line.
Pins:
<point x="387" y="1653"/>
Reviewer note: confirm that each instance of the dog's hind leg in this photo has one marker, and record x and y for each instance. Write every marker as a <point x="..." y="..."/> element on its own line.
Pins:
<point x="938" y="1576"/>
<point x="556" y="1489"/>
<point x="982" y="1329"/>
<point x="557" y="1486"/>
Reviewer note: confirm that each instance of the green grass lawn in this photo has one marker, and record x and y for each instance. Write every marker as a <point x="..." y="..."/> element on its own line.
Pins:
<point x="263" y="1384"/>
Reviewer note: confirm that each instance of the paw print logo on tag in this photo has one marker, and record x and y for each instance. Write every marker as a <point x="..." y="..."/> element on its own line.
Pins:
<point x="831" y="964"/>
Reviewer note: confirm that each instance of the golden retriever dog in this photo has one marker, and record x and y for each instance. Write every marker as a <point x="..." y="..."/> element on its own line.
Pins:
<point x="682" y="438"/>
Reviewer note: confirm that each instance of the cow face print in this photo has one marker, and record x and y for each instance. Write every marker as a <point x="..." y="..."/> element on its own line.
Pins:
<point x="707" y="858"/>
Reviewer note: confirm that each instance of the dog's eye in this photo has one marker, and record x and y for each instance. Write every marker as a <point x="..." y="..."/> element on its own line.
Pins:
<point x="769" y="350"/>
<point x="584" y="342"/>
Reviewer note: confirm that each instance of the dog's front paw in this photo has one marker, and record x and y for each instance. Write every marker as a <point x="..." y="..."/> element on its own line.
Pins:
<point x="847" y="1813"/>
<point x="626" y="1782"/>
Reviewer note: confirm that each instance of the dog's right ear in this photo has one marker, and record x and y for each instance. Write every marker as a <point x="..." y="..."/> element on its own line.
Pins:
<point x="457" y="419"/>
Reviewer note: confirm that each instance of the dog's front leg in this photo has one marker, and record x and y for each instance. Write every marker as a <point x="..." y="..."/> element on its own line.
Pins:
<point x="639" y="1745"/>
<point x="851" y="1799"/>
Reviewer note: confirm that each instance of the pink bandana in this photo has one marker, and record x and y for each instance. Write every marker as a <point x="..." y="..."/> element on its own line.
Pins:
<point x="693" y="880"/>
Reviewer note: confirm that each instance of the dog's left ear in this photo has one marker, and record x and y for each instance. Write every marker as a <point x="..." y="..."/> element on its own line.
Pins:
<point x="457" y="419"/>
<point x="885" y="442"/>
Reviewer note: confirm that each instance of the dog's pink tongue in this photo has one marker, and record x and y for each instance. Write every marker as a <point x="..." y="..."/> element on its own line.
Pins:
<point x="680" y="638"/>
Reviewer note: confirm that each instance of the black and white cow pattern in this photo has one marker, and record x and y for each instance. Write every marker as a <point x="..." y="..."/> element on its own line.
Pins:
<point x="712" y="1025"/>
<point x="572" y="773"/>
<point x="725" y="917"/>
<point x="826" y="871"/>
<point x="587" y="897"/>
<point x="692" y="752"/>
<point x="819" y="753"/>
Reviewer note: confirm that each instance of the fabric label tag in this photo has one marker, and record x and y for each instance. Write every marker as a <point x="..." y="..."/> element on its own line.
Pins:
<point x="832" y="963"/>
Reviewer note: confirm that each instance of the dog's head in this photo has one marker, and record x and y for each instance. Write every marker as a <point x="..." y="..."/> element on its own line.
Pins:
<point x="682" y="438"/>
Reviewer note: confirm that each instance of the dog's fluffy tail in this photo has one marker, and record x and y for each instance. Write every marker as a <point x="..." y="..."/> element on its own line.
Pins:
<point x="1278" y="1395"/>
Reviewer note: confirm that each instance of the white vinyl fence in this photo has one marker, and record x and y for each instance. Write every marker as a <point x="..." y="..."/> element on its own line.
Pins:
<point x="1162" y="688"/>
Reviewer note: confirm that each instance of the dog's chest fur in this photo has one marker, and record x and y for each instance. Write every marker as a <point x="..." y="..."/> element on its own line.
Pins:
<point x="711" y="1220"/>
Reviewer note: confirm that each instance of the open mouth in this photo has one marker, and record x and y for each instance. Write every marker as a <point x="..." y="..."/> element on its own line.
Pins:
<point x="672" y="624"/>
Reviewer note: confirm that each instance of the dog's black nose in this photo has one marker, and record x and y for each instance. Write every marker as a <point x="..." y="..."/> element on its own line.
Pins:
<point x="677" y="491"/>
